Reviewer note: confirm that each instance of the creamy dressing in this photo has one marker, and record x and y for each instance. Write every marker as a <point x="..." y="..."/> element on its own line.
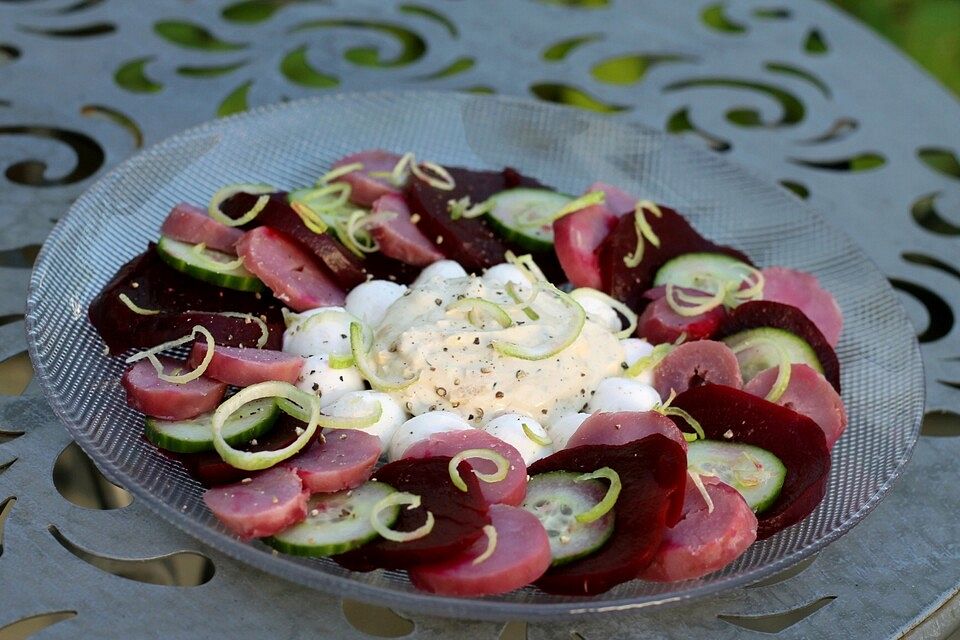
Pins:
<point x="460" y="370"/>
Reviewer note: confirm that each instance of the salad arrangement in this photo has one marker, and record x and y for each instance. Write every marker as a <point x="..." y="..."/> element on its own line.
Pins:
<point x="477" y="379"/>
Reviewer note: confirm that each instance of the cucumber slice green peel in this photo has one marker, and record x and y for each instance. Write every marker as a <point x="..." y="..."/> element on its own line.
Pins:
<point x="337" y="522"/>
<point x="763" y="347"/>
<point x="207" y="265"/>
<point x="556" y="498"/>
<point x="756" y="473"/>
<point x="195" y="435"/>
<point x="719" y="276"/>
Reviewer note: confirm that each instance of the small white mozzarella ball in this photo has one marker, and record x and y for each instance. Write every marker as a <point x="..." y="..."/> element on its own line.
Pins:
<point x="422" y="427"/>
<point x="309" y="336"/>
<point x="442" y="269"/>
<point x="499" y="275"/>
<point x="623" y="394"/>
<point x="361" y="403"/>
<point x="509" y="428"/>
<point x="369" y="301"/>
<point x="601" y="313"/>
<point x="633" y="350"/>
<point x="563" y="428"/>
<point x="319" y="378"/>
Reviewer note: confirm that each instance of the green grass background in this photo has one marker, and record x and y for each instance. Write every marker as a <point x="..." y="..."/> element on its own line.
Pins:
<point x="926" y="30"/>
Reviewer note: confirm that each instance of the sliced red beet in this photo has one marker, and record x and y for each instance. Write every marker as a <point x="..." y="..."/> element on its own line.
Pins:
<point x="659" y="323"/>
<point x="653" y="473"/>
<point x="459" y="516"/>
<point x="340" y="459"/>
<point x="149" y="394"/>
<point x="183" y="303"/>
<point x="290" y="271"/>
<point x="619" y="202"/>
<point x="693" y="364"/>
<point x="469" y="241"/>
<point x="189" y="223"/>
<point x="521" y="555"/>
<point x="268" y="504"/>
<point x="398" y="237"/>
<point x="803" y="291"/>
<point x="510" y="490"/>
<point x="766" y="313"/>
<point x="210" y="470"/>
<point x="733" y="415"/>
<point x="808" y="393"/>
<point x="676" y="236"/>
<point x="576" y="240"/>
<point x="704" y="541"/>
<point x="622" y="427"/>
<point x="365" y="189"/>
<point x="348" y="269"/>
<point x="244" y="367"/>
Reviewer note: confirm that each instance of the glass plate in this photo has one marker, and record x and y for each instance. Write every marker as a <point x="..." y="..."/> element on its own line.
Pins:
<point x="289" y="145"/>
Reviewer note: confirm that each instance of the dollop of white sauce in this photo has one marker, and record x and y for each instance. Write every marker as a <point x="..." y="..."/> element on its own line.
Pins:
<point x="461" y="372"/>
<point x="319" y="378"/>
<point x="422" y="427"/>
<point x="354" y="404"/>
<point x="369" y="301"/>
<point x="509" y="428"/>
<point x="623" y="394"/>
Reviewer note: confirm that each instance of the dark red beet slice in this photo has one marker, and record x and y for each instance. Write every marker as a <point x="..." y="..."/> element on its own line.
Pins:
<point x="348" y="269"/>
<point x="693" y="364"/>
<point x="521" y="555"/>
<point x="210" y="470"/>
<point x="268" y="504"/>
<point x="766" y="313"/>
<point x="459" y="517"/>
<point x="659" y="323"/>
<point x="471" y="242"/>
<point x="676" y="236"/>
<point x="795" y="439"/>
<point x="183" y="302"/>
<point x="654" y="475"/>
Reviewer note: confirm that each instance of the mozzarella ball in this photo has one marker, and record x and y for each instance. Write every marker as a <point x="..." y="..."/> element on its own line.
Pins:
<point x="369" y="301"/>
<point x="499" y="275"/>
<point x="360" y="403"/>
<point x="422" y="427"/>
<point x="600" y="312"/>
<point x="623" y="394"/>
<point x="509" y="428"/>
<point x="318" y="377"/>
<point x="307" y="335"/>
<point x="442" y="269"/>
<point x="563" y="428"/>
<point x="633" y="350"/>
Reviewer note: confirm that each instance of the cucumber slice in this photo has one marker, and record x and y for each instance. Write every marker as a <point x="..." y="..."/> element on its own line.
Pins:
<point x="688" y="270"/>
<point x="511" y="207"/>
<point x="336" y="522"/>
<point x="556" y="498"/>
<point x="763" y="355"/>
<point x="756" y="473"/>
<point x="182" y="257"/>
<point x="195" y="435"/>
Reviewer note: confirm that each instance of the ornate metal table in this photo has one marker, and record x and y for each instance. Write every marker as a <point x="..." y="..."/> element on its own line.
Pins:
<point x="796" y="91"/>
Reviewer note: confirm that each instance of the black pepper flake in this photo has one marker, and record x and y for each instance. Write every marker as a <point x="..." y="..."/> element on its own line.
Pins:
<point x="316" y="386"/>
<point x="499" y="394"/>
<point x="343" y="335"/>
<point x="624" y="366"/>
<point x="341" y="378"/>
<point x="470" y="417"/>
<point x="476" y="340"/>
<point x="438" y="301"/>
